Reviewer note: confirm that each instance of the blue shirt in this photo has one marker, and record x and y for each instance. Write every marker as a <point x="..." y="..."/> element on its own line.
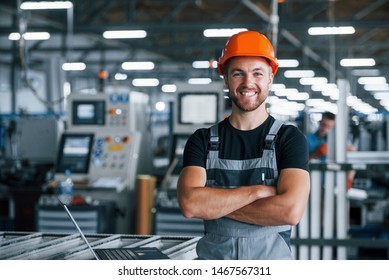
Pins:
<point x="314" y="141"/>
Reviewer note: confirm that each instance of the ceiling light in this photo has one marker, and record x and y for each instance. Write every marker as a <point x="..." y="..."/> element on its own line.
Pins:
<point x="365" y="72"/>
<point x="124" y="34"/>
<point x="384" y="103"/>
<point x="358" y="105"/>
<point x="286" y="92"/>
<point x="30" y="36"/>
<point x="73" y="66"/>
<point x="275" y="87"/>
<point x="223" y="32"/>
<point x="204" y="64"/>
<point x="333" y="30"/>
<point x="146" y="82"/>
<point x="298" y="96"/>
<point x="313" y="81"/>
<point x="120" y="76"/>
<point x="45" y="5"/>
<point x="379" y="87"/>
<point x="199" y="81"/>
<point x="138" y="65"/>
<point x="169" y="88"/>
<point x="284" y="63"/>
<point x="371" y="80"/>
<point x="160" y="106"/>
<point x="324" y="87"/>
<point x="355" y="62"/>
<point x="381" y="95"/>
<point x="298" y="73"/>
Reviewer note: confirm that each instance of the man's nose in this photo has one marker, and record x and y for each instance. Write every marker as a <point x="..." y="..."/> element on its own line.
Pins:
<point x="248" y="79"/>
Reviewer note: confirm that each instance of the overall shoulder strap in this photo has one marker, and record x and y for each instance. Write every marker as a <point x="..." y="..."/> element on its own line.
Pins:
<point x="272" y="135"/>
<point x="214" y="138"/>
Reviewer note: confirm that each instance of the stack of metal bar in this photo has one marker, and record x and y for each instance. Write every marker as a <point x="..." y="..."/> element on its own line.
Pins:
<point x="56" y="246"/>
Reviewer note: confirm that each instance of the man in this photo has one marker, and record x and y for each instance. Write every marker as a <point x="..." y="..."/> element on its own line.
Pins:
<point x="317" y="141"/>
<point x="247" y="176"/>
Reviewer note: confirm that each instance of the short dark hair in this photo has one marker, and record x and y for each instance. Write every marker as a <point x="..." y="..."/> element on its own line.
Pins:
<point x="328" y="115"/>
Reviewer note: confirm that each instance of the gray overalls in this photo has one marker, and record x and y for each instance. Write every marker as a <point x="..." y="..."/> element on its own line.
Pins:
<point x="228" y="239"/>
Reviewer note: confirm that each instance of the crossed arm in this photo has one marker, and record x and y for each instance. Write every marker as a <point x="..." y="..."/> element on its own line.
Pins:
<point x="259" y="204"/>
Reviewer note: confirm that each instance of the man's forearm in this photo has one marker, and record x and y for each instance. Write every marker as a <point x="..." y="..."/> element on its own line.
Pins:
<point x="264" y="212"/>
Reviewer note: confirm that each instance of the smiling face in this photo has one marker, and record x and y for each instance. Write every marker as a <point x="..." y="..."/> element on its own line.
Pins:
<point x="248" y="80"/>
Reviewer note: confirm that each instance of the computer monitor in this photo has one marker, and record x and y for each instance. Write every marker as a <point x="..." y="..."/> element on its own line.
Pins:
<point x="198" y="108"/>
<point x="88" y="112"/>
<point x="74" y="153"/>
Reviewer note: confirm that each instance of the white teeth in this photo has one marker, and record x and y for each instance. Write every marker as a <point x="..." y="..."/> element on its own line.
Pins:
<point x="248" y="93"/>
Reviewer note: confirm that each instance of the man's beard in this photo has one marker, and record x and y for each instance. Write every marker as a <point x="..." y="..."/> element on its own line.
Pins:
<point x="250" y="106"/>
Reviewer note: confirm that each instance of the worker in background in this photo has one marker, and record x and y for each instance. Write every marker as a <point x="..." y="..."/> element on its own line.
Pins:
<point x="317" y="142"/>
<point x="247" y="177"/>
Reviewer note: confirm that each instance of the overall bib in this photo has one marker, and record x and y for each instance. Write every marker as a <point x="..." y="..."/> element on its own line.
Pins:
<point x="228" y="239"/>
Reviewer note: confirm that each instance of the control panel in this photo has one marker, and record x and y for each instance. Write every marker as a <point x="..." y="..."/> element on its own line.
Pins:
<point x="114" y="154"/>
<point x="116" y="111"/>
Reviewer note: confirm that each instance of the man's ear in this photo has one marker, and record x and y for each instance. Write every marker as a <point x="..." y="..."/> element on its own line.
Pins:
<point x="271" y="80"/>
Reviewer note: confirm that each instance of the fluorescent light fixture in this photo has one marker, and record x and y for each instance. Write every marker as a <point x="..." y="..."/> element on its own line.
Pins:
<point x="372" y="80"/>
<point x="30" y="36"/>
<point x="146" y="82"/>
<point x="124" y="34"/>
<point x="384" y="103"/>
<point x="313" y="81"/>
<point x="285" y="63"/>
<point x="299" y="73"/>
<point x="199" y="81"/>
<point x="204" y="64"/>
<point x="381" y="95"/>
<point x="223" y="32"/>
<point x="286" y="108"/>
<point x="272" y="100"/>
<point x="46" y="5"/>
<point x="360" y="106"/>
<point x="324" y="87"/>
<point x="365" y="72"/>
<point x="298" y="96"/>
<point x="169" y="88"/>
<point x="286" y="92"/>
<point x="73" y="66"/>
<point x="138" y="65"/>
<point x="331" y="93"/>
<point x="120" y="76"/>
<point x="275" y="87"/>
<point x="315" y="102"/>
<point x="379" y="87"/>
<point x="356" y="62"/>
<point x="333" y="30"/>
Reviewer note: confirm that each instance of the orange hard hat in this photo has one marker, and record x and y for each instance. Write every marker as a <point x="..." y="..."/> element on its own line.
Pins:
<point x="248" y="43"/>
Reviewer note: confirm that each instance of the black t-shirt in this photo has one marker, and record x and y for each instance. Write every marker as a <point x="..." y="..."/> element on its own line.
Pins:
<point x="291" y="145"/>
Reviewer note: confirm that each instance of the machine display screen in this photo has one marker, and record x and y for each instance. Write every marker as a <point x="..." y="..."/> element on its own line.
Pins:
<point x="74" y="153"/>
<point x="198" y="108"/>
<point x="88" y="112"/>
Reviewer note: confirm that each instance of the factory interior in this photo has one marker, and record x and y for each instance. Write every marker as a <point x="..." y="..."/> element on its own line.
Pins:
<point x="107" y="93"/>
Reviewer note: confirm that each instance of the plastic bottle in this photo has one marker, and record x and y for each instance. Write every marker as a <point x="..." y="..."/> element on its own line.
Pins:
<point x="66" y="188"/>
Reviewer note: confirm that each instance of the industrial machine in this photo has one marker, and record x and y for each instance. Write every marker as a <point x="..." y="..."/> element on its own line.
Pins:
<point x="195" y="106"/>
<point x="101" y="148"/>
